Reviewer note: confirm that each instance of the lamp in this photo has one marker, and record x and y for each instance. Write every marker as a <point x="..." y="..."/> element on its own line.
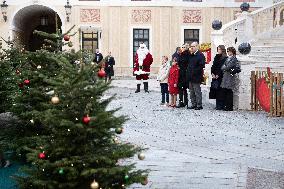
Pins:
<point x="4" y="8"/>
<point x="68" y="10"/>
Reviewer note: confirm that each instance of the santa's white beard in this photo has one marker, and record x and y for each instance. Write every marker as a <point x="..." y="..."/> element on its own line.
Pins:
<point x="142" y="55"/>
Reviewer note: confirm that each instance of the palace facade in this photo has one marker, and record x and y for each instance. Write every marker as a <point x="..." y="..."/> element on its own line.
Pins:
<point x="119" y="25"/>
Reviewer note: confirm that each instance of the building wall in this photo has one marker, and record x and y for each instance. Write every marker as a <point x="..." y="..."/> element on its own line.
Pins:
<point x="166" y="20"/>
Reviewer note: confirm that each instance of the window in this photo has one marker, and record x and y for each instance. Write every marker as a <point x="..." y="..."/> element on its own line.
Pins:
<point x="191" y="35"/>
<point x="140" y="36"/>
<point x="90" y="41"/>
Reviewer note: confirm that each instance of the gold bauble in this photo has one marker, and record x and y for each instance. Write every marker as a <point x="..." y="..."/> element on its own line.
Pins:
<point x="145" y="181"/>
<point x="55" y="100"/>
<point x="116" y="140"/>
<point x="141" y="156"/>
<point x="94" y="185"/>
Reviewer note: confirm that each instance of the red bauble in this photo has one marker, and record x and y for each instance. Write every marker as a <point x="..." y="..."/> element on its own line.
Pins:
<point x="27" y="82"/>
<point x="86" y="120"/>
<point x="21" y="85"/>
<point x="66" y="37"/>
<point x="41" y="156"/>
<point x="263" y="94"/>
<point x="101" y="73"/>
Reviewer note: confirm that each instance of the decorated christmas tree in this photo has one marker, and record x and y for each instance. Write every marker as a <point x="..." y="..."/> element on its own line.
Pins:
<point x="9" y="60"/>
<point x="64" y="134"/>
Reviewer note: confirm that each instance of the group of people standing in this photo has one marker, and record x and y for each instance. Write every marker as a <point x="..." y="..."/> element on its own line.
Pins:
<point x="186" y="71"/>
<point x="106" y="63"/>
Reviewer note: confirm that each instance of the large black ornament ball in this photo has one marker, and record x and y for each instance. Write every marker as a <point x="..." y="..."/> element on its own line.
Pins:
<point x="244" y="48"/>
<point x="244" y="6"/>
<point x="217" y="24"/>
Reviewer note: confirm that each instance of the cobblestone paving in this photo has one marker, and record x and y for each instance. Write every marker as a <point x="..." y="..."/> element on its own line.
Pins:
<point x="205" y="149"/>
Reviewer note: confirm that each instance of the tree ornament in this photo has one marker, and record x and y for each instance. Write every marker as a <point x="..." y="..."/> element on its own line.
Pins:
<point x="18" y="72"/>
<point x="94" y="185"/>
<point x="126" y="177"/>
<point x="38" y="67"/>
<point x="55" y="100"/>
<point x="66" y="37"/>
<point x="244" y="48"/>
<point x="21" y="85"/>
<point x="141" y="156"/>
<point x="70" y="44"/>
<point x="116" y="140"/>
<point x="41" y="155"/>
<point x="145" y="181"/>
<point x="86" y="119"/>
<point x="26" y="82"/>
<point x="217" y="24"/>
<point x="118" y="130"/>
<point x="245" y="6"/>
<point x="61" y="171"/>
<point x="101" y="73"/>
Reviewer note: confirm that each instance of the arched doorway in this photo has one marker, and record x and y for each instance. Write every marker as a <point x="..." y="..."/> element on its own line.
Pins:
<point x="30" y="18"/>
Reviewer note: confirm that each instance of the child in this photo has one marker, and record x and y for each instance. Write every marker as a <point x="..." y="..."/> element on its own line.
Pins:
<point x="173" y="81"/>
<point x="163" y="79"/>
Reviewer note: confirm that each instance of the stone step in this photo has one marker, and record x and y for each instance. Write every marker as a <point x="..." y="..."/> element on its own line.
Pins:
<point x="266" y="53"/>
<point x="277" y="44"/>
<point x="271" y="39"/>
<point x="266" y="50"/>
<point x="261" y="63"/>
<point x="271" y="57"/>
<point x="267" y="47"/>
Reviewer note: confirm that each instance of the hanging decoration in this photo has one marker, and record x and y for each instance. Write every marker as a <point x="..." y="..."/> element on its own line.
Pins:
<point x="244" y="48"/>
<point x="217" y="24"/>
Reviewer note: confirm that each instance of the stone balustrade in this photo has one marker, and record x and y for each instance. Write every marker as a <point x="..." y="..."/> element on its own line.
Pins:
<point x="248" y="26"/>
<point x="265" y="23"/>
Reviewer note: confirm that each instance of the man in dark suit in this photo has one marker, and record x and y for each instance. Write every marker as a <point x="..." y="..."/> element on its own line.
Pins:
<point x="98" y="57"/>
<point x="195" y="67"/>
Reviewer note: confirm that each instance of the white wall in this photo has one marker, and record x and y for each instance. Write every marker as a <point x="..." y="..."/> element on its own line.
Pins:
<point x="204" y="3"/>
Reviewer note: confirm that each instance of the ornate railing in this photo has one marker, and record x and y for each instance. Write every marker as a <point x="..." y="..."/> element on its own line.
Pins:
<point x="248" y="26"/>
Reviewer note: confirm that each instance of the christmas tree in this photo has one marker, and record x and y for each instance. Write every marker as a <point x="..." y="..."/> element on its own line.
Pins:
<point x="64" y="133"/>
<point x="9" y="60"/>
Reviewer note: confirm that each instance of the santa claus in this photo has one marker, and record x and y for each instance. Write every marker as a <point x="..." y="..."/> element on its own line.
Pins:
<point x="143" y="61"/>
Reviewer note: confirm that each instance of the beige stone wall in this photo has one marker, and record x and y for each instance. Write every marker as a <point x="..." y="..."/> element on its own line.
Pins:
<point x="166" y="27"/>
<point x="116" y="23"/>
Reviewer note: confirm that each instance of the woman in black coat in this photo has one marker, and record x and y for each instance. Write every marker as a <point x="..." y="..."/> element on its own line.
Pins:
<point x="109" y="63"/>
<point x="217" y="76"/>
<point x="182" y="84"/>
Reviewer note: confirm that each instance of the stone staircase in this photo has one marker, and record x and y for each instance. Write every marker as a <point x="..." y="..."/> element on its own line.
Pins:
<point x="268" y="51"/>
<point x="264" y="30"/>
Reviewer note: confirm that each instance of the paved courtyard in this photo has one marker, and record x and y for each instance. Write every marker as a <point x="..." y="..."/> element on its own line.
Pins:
<point x="205" y="149"/>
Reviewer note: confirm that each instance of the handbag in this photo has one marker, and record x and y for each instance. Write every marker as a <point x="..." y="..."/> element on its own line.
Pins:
<point x="236" y="69"/>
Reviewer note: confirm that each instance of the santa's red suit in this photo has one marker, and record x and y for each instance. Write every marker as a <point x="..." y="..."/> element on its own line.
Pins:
<point x="143" y="61"/>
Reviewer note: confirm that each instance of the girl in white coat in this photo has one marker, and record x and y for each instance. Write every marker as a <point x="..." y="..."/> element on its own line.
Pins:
<point x="163" y="79"/>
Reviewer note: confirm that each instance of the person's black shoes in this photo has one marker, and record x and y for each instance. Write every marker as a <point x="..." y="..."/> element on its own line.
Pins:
<point x="198" y="108"/>
<point x="180" y="105"/>
<point x="138" y="88"/>
<point x="191" y="107"/>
